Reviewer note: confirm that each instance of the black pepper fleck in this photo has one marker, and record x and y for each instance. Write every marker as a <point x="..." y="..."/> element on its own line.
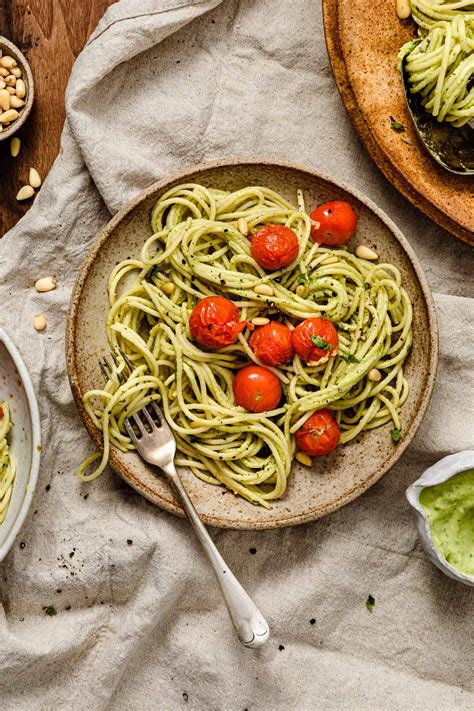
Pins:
<point x="312" y="621"/>
<point x="252" y="551"/>
<point x="129" y="541"/>
<point x="281" y="648"/>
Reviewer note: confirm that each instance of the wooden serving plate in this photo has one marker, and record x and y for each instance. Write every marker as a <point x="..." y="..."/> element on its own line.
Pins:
<point x="363" y="42"/>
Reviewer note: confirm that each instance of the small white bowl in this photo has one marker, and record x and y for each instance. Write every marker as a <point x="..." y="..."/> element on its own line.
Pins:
<point x="16" y="388"/>
<point x="439" y="472"/>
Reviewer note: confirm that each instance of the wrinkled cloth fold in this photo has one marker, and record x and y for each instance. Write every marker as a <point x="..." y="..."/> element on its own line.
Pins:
<point x="162" y="85"/>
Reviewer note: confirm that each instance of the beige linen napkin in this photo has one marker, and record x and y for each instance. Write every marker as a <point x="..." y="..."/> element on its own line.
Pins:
<point x="160" y="86"/>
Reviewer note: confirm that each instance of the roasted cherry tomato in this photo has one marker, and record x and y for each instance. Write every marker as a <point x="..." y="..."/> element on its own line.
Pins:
<point x="272" y="343"/>
<point x="337" y="222"/>
<point x="214" y="322"/>
<point x="319" y="435"/>
<point x="274" y="247"/>
<point x="256" y="388"/>
<point x="314" y="339"/>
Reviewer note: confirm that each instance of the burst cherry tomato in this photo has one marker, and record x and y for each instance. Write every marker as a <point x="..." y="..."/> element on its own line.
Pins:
<point x="274" y="247"/>
<point x="337" y="222"/>
<point x="319" y="435"/>
<point x="214" y="322"/>
<point x="272" y="343"/>
<point x="314" y="339"/>
<point x="256" y="388"/>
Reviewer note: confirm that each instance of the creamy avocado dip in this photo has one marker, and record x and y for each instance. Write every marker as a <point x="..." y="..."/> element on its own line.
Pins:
<point x="449" y="508"/>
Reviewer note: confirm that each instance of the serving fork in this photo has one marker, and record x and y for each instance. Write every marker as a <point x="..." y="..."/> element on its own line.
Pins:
<point x="156" y="444"/>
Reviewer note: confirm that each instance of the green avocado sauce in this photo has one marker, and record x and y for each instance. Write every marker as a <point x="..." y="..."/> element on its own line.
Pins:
<point x="449" y="508"/>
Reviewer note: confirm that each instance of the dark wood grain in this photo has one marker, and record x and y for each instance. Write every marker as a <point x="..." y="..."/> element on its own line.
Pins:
<point x="50" y="33"/>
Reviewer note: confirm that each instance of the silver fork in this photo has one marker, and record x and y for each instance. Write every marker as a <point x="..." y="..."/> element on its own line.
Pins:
<point x="157" y="446"/>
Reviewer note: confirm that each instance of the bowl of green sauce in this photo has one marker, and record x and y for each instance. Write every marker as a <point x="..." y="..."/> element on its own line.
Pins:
<point x="443" y="498"/>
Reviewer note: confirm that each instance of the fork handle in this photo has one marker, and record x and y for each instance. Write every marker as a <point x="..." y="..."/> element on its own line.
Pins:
<point x="250" y="625"/>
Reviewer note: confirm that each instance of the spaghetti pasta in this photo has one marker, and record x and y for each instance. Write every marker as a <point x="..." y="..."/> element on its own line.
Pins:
<point x="7" y="462"/>
<point x="197" y="250"/>
<point x="440" y="63"/>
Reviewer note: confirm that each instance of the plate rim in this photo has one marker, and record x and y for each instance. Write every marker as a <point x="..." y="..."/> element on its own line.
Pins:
<point x="35" y="418"/>
<point x="375" y="151"/>
<point x="167" y="503"/>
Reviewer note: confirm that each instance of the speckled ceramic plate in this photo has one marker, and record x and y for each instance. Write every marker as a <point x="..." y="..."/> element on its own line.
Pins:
<point x="345" y="473"/>
<point x="362" y="48"/>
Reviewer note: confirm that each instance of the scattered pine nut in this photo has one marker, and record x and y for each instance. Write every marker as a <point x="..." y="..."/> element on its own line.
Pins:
<point x="46" y="283"/>
<point x="242" y="226"/>
<point x="25" y="192"/>
<point x="20" y="88"/>
<point x="11" y="90"/>
<point x="8" y="62"/>
<point x="4" y="72"/>
<point x="329" y="260"/>
<point x="300" y="290"/>
<point x="10" y="80"/>
<point x="34" y="178"/>
<point x="16" y="71"/>
<point x="5" y="100"/>
<point x="364" y="252"/>
<point x="263" y="289"/>
<point x="167" y="288"/>
<point x="9" y="116"/>
<point x="39" y="322"/>
<point x="407" y="139"/>
<point x="304" y="459"/>
<point x="374" y="375"/>
<point x="403" y="9"/>
<point x="2" y="84"/>
<point x="260" y="321"/>
<point x="15" y="147"/>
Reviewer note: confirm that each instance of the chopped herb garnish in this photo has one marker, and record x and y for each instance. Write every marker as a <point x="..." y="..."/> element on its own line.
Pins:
<point x="396" y="435"/>
<point x="303" y="279"/>
<point x="370" y="603"/>
<point x="366" y="285"/>
<point x="349" y="358"/>
<point x="396" y="126"/>
<point x="320" y="342"/>
<point x="51" y="611"/>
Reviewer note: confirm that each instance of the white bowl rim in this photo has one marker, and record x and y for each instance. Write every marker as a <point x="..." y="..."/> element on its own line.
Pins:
<point x="441" y="471"/>
<point x="36" y="441"/>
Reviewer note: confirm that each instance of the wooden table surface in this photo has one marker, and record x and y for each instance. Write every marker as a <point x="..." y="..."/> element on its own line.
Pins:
<point x="50" y="33"/>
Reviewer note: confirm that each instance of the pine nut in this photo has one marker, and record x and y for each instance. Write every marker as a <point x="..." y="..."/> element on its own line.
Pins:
<point x="8" y="62"/>
<point x="2" y="84"/>
<point x="46" y="283"/>
<point x="242" y="226"/>
<point x="167" y="288"/>
<point x="403" y="9"/>
<point x="15" y="147"/>
<point x="374" y="375"/>
<point x="195" y="425"/>
<point x="300" y="290"/>
<point x="9" y="116"/>
<point x="25" y="192"/>
<point x="365" y="252"/>
<point x="329" y="260"/>
<point x="20" y="88"/>
<point x="260" y="321"/>
<point x="5" y="100"/>
<point x="34" y="178"/>
<point x="11" y="90"/>
<point x="15" y="102"/>
<point x="10" y="80"/>
<point x="263" y="289"/>
<point x="16" y="71"/>
<point x="304" y="459"/>
<point x="4" y="72"/>
<point x="39" y="322"/>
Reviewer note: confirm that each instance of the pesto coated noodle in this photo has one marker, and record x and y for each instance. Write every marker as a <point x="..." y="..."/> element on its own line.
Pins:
<point x="197" y="247"/>
<point x="440" y="63"/>
<point x="7" y="462"/>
